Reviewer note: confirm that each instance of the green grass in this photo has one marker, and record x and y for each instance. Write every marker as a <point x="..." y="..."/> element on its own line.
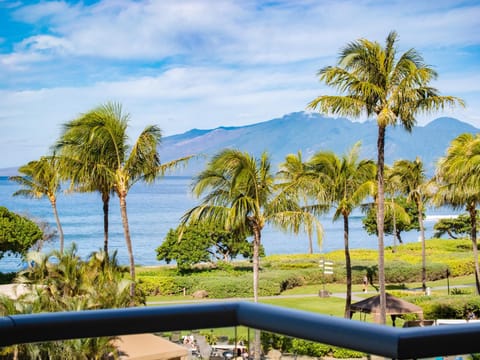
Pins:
<point x="329" y="306"/>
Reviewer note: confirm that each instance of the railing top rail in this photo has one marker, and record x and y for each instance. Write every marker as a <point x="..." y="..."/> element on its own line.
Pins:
<point x="374" y="339"/>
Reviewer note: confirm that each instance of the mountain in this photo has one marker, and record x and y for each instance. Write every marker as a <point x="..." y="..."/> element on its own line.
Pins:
<point x="311" y="132"/>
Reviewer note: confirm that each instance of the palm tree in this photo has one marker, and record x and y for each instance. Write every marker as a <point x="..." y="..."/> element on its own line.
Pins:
<point x="392" y="184"/>
<point x="347" y="181"/>
<point x="372" y="80"/>
<point x="458" y="184"/>
<point x="99" y="140"/>
<point x="296" y="179"/>
<point x="241" y="195"/>
<point x="414" y="185"/>
<point x="84" y="166"/>
<point x="41" y="178"/>
<point x="63" y="282"/>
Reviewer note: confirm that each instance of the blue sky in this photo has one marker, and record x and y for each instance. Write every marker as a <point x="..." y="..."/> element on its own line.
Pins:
<point x="205" y="63"/>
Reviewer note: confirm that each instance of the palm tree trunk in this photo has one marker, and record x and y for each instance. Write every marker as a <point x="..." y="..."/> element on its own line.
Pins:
<point x="424" y="251"/>
<point x="394" y="227"/>
<point x="59" y="225"/>
<point x="348" y="266"/>
<point x="256" y="262"/>
<point x="256" y="270"/>
<point x="123" y="210"/>
<point x="106" y="202"/>
<point x="473" y="221"/>
<point x="381" y="221"/>
<point x="310" y="243"/>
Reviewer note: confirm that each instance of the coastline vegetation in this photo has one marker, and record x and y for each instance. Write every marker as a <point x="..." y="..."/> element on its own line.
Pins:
<point x="282" y="273"/>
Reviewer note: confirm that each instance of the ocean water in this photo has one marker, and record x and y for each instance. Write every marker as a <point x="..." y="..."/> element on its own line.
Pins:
<point x="153" y="210"/>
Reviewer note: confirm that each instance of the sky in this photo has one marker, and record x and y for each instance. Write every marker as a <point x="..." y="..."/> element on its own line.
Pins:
<point x="184" y="64"/>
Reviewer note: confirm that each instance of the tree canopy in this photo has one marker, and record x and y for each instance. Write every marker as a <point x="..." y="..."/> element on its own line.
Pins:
<point x="459" y="226"/>
<point x="202" y="243"/>
<point x="401" y="223"/>
<point x="17" y="233"/>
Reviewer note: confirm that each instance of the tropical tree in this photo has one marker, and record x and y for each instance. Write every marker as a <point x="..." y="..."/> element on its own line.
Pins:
<point x="348" y="181"/>
<point x="240" y="194"/>
<point x="99" y="141"/>
<point x="41" y="178"/>
<point x="17" y="233"/>
<point x="85" y="166"/>
<point x="392" y="182"/>
<point x="458" y="184"/>
<point x="64" y="282"/>
<point x="414" y="185"/>
<point x="374" y="81"/>
<point x="296" y="179"/>
<point x="202" y="243"/>
<point x="400" y="215"/>
<point x="456" y="227"/>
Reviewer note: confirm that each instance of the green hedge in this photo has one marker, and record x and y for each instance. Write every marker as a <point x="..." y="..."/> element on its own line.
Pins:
<point x="220" y="283"/>
<point x="290" y="345"/>
<point x="283" y="272"/>
<point x="449" y="307"/>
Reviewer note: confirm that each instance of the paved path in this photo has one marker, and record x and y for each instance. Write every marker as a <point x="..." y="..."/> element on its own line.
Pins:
<point x="190" y="301"/>
<point x="355" y="296"/>
<point x="15" y="290"/>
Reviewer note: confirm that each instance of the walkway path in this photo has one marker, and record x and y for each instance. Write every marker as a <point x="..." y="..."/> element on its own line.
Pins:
<point x="190" y="301"/>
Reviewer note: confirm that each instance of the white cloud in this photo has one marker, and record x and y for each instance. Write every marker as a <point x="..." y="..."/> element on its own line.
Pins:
<point x="241" y="32"/>
<point x="198" y="63"/>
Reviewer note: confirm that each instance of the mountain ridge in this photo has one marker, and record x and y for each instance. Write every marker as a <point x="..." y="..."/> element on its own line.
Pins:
<point x="310" y="132"/>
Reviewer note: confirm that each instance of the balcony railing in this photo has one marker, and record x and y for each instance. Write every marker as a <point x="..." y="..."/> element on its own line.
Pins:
<point x="398" y="343"/>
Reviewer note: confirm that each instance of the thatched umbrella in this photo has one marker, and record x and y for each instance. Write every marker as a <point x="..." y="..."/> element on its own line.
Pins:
<point x="395" y="307"/>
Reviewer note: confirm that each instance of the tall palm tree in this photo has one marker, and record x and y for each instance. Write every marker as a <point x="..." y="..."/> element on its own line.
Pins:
<point x="99" y="140"/>
<point x="240" y="194"/>
<point x="348" y="181"/>
<point x="374" y="81"/>
<point x="41" y="178"/>
<point x="459" y="184"/>
<point x="414" y="185"/>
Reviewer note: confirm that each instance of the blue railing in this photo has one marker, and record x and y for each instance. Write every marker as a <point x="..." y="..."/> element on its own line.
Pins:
<point x="398" y="343"/>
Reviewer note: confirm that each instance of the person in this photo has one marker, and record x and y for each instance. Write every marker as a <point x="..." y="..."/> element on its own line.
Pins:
<point x="365" y="283"/>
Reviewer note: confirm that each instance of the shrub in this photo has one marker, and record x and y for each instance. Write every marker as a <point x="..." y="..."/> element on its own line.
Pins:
<point x="401" y="272"/>
<point x="220" y="288"/>
<point x="286" y="344"/>
<point x="158" y="285"/>
<point x="275" y="341"/>
<point x="460" y="267"/>
<point x="309" y="348"/>
<point x="457" y="291"/>
<point x="341" y="353"/>
<point x="453" y="307"/>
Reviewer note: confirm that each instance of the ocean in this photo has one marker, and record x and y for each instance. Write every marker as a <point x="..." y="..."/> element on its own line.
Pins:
<point x="154" y="209"/>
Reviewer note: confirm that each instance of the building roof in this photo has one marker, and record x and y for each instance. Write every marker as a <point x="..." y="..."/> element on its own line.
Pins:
<point x="148" y="347"/>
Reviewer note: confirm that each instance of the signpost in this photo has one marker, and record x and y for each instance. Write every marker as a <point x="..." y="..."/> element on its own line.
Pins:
<point x="327" y="269"/>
